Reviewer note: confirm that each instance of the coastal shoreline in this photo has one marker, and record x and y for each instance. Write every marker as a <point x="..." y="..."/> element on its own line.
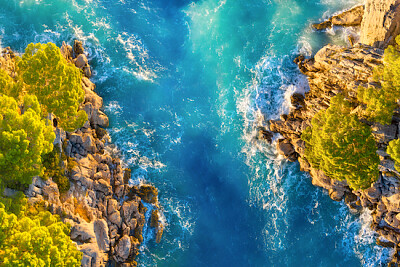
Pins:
<point x="333" y="70"/>
<point x="107" y="214"/>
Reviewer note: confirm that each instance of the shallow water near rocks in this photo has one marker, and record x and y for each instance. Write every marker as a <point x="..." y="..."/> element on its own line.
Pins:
<point x="186" y="84"/>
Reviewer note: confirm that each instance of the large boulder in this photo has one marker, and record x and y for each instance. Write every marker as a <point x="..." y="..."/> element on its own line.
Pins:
<point x="92" y="256"/>
<point x="78" y="48"/>
<point x="83" y="233"/>
<point x="128" y="209"/>
<point x="81" y="61"/>
<point x="285" y="148"/>
<point x="123" y="249"/>
<point x="102" y="186"/>
<point x="101" y="231"/>
<point x="66" y="51"/>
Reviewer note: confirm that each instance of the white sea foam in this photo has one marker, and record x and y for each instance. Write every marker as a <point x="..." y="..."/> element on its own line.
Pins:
<point x="266" y="98"/>
<point x="138" y="57"/>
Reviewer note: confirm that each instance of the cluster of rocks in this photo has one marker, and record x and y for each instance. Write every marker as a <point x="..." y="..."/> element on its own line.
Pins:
<point x="334" y="70"/>
<point x="351" y="17"/>
<point x="106" y="213"/>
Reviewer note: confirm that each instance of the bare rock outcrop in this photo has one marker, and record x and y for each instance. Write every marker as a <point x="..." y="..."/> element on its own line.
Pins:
<point x="347" y="18"/>
<point x="381" y="22"/>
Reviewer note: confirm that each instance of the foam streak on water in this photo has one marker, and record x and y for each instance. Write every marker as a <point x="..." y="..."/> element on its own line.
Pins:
<point x="186" y="83"/>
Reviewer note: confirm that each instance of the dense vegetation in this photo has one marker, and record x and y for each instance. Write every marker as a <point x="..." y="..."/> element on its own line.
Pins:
<point x="381" y="102"/>
<point x="31" y="237"/>
<point x="340" y="145"/>
<point x="43" y="83"/>
<point x="56" y="83"/>
<point x="24" y="137"/>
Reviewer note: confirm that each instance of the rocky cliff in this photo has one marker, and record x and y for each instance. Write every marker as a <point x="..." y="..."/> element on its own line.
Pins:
<point x="106" y="213"/>
<point x="334" y="70"/>
<point x="381" y="22"/>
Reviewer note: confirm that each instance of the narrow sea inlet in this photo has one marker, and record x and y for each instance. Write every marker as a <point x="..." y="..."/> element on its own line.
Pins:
<point x="186" y="85"/>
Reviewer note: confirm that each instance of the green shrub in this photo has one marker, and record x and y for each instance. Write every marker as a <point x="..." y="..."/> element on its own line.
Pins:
<point x="381" y="102"/>
<point x="52" y="168"/>
<point x="341" y="146"/>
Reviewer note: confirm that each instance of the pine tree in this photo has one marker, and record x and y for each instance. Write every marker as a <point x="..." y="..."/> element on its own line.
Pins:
<point x="24" y="137"/>
<point x="34" y="238"/>
<point x="393" y="150"/>
<point x="56" y="83"/>
<point x="341" y="146"/>
<point x="8" y="86"/>
<point x="381" y="102"/>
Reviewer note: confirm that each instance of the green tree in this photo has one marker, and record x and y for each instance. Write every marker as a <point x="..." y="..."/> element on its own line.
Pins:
<point x="8" y="86"/>
<point x="341" y="146"/>
<point x="393" y="150"/>
<point x="56" y="83"/>
<point x="35" y="239"/>
<point x="52" y="168"/>
<point x="381" y="102"/>
<point x="24" y="137"/>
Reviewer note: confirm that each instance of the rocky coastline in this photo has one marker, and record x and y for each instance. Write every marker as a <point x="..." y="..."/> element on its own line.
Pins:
<point x="106" y="213"/>
<point x="335" y="69"/>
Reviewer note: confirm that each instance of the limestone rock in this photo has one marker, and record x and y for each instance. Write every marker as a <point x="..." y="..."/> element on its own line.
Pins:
<point x="381" y="22"/>
<point x="384" y="133"/>
<point x="148" y="193"/>
<point x="66" y="51"/>
<point x="102" y="186"/>
<point x="392" y="202"/>
<point x="51" y="193"/>
<point x="101" y="231"/>
<point x="93" y="257"/>
<point x="351" y="17"/>
<point x="87" y="71"/>
<point x="123" y="248"/>
<point x="336" y="195"/>
<point x="263" y="134"/>
<point x="83" y="233"/>
<point x="115" y="218"/>
<point x="323" y="25"/>
<point x="78" y="48"/>
<point x="96" y="116"/>
<point x="285" y="148"/>
<point x="128" y="209"/>
<point x="81" y="61"/>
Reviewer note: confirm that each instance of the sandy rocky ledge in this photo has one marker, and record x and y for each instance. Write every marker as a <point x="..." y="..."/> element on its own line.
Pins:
<point x="335" y="69"/>
<point x="106" y="213"/>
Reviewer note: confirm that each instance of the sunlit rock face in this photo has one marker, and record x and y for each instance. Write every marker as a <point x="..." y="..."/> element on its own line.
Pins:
<point x="380" y="23"/>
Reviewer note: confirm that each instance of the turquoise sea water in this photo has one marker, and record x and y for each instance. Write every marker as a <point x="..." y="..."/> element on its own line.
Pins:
<point x="186" y="84"/>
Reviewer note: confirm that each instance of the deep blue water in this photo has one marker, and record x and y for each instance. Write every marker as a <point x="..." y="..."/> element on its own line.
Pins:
<point x="186" y="84"/>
